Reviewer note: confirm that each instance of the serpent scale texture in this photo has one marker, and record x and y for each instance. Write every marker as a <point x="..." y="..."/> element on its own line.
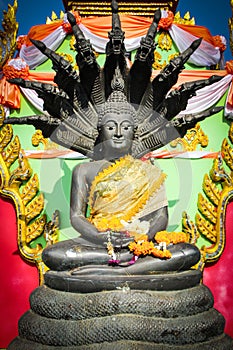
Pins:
<point x="222" y="342"/>
<point x="77" y="306"/>
<point x="125" y="319"/>
<point x="180" y="330"/>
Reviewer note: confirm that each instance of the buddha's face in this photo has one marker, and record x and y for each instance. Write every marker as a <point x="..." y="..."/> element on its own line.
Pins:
<point x="117" y="132"/>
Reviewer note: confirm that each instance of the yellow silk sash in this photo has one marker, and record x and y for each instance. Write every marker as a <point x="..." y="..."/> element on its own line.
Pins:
<point x="120" y="191"/>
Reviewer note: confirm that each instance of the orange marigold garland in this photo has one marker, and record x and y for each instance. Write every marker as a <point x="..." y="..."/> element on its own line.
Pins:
<point x="21" y="40"/>
<point x="229" y="67"/>
<point x="171" y="237"/>
<point x="219" y="42"/>
<point x="142" y="246"/>
<point x="16" y="68"/>
<point x="166" y="22"/>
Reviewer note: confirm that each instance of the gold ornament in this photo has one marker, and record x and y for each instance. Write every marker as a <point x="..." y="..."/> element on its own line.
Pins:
<point x="22" y="187"/>
<point x="185" y="20"/>
<point x="157" y="58"/>
<point x="192" y="139"/>
<point x="54" y="17"/>
<point x="38" y="138"/>
<point x="218" y="189"/>
<point x="8" y="34"/>
<point x="165" y="41"/>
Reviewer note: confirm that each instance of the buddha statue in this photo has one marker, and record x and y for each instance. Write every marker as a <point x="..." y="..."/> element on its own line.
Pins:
<point x="117" y="188"/>
<point x="124" y="282"/>
<point x="114" y="116"/>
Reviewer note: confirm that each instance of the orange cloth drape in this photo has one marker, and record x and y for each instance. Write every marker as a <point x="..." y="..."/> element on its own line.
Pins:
<point x="41" y="31"/>
<point x="198" y="31"/>
<point x="134" y="26"/>
<point x="10" y="93"/>
<point x="192" y="75"/>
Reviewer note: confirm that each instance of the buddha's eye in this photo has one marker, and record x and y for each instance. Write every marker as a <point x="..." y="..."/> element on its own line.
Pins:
<point x="110" y="128"/>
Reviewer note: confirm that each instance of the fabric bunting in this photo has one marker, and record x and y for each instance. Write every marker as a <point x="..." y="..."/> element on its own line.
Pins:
<point x="160" y="154"/>
<point x="96" y="30"/>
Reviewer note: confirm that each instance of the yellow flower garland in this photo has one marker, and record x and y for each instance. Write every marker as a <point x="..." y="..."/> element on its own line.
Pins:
<point x="142" y="247"/>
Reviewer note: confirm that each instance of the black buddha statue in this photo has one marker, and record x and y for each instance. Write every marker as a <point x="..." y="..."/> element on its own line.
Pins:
<point x="115" y="116"/>
<point x="103" y="291"/>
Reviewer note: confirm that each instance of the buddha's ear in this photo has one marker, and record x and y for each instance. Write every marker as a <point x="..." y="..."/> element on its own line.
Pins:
<point x="136" y="135"/>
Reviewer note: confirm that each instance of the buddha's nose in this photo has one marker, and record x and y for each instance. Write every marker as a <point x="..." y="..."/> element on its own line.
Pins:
<point x="118" y="132"/>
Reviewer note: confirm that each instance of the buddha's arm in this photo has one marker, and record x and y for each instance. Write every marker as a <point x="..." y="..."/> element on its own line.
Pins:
<point x="78" y="205"/>
<point x="158" y="221"/>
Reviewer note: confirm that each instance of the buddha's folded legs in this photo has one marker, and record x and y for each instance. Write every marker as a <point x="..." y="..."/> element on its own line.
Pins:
<point x="184" y="256"/>
<point x="87" y="259"/>
<point x="66" y="255"/>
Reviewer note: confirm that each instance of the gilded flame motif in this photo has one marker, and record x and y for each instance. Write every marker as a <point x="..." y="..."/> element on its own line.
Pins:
<point x="22" y="187"/>
<point x="218" y="191"/>
<point x="8" y="34"/>
<point x="193" y="138"/>
<point x="38" y="138"/>
<point x="185" y="20"/>
<point x="53" y="18"/>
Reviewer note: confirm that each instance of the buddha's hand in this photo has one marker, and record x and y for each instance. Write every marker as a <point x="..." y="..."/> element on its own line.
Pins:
<point x="118" y="239"/>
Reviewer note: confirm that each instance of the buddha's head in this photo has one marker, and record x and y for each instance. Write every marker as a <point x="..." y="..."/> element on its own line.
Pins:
<point x="116" y="130"/>
<point x="116" y="124"/>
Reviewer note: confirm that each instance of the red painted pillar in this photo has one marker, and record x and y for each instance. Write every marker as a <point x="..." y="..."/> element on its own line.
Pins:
<point x="18" y="277"/>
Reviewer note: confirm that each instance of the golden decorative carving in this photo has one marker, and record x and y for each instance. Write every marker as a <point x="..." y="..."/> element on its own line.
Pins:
<point x="157" y="58"/>
<point x="189" y="228"/>
<point x="192" y="139"/>
<point x="54" y="17"/>
<point x="230" y="133"/>
<point x="8" y="34"/>
<point x="164" y="41"/>
<point x="103" y="8"/>
<point x="218" y="191"/>
<point x="38" y="138"/>
<point x="23" y="189"/>
<point x="185" y="20"/>
<point x="67" y="56"/>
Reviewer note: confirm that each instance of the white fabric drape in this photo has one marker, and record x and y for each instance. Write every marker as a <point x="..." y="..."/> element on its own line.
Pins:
<point x="32" y="97"/>
<point x="204" y="99"/>
<point x="205" y="55"/>
<point x="228" y="112"/>
<point x="33" y="57"/>
<point x="207" y="96"/>
<point x="99" y="43"/>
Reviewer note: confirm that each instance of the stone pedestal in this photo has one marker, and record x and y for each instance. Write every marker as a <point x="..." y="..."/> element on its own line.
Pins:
<point x="163" y="311"/>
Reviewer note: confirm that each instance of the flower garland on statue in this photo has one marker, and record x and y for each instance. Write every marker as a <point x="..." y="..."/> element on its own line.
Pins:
<point x="142" y="246"/>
